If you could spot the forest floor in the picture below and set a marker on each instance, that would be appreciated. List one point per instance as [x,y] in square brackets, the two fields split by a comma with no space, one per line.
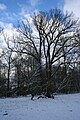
[62,107]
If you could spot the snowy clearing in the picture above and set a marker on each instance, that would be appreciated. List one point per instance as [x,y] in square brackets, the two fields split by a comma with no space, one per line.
[63,107]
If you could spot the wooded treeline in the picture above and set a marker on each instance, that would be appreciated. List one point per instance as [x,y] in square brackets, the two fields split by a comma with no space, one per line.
[43,58]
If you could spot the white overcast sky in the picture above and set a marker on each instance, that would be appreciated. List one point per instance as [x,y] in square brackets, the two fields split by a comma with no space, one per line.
[72,6]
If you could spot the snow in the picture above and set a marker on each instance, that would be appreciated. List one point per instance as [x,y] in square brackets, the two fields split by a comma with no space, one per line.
[63,107]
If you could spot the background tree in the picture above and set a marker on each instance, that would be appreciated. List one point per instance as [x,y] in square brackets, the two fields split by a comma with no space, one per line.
[48,42]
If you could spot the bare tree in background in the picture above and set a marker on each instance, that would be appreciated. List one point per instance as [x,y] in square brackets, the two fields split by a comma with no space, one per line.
[48,39]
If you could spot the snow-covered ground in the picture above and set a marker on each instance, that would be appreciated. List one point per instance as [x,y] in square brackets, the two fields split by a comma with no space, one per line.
[63,107]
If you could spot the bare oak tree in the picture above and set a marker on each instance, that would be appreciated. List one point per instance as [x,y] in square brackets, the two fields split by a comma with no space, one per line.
[49,38]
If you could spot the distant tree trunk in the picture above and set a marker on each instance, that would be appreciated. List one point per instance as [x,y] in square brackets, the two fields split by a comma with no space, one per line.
[8,83]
